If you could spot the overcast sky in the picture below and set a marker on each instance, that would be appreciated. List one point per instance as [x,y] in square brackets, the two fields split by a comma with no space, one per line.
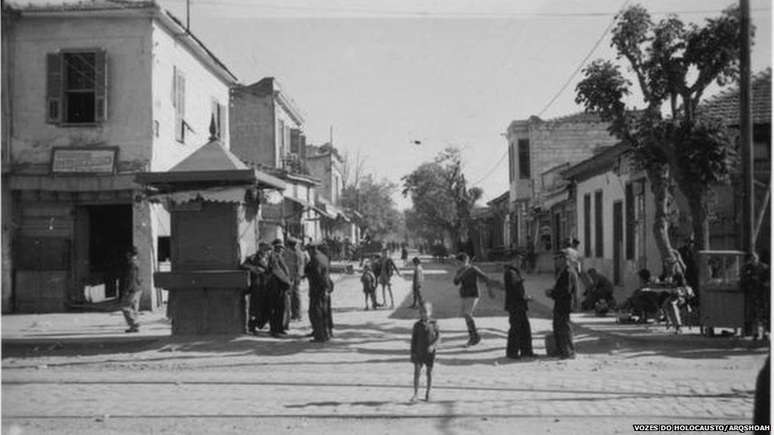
[447,73]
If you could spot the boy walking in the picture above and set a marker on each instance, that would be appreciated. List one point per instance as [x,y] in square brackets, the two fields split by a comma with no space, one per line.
[467,278]
[424,341]
[369,286]
[416,282]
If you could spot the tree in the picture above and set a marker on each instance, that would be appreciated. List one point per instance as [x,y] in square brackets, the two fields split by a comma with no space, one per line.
[440,196]
[373,200]
[353,168]
[673,64]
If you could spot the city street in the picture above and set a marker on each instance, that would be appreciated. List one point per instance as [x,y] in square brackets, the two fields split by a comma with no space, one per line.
[360,382]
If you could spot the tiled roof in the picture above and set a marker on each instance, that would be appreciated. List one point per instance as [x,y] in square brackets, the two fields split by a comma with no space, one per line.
[725,105]
[579,117]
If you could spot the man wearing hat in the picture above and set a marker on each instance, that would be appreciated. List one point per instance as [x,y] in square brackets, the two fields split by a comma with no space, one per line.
[131,291]
[295,260]
[318,274]
[278,286]
[564,289]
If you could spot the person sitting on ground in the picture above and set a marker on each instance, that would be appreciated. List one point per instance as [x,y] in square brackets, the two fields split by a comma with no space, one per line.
[368,279]
[644,302]
[599,295]
[424,341]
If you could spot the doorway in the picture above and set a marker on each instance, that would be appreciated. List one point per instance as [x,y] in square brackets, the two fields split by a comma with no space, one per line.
[109,237]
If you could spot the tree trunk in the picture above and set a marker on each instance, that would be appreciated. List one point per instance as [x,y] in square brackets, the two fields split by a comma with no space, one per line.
[699,217]
[659,182]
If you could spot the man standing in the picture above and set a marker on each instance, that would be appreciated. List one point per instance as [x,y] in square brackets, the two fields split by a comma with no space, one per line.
[566,286]
[131,291]
[258,266]
[319,282]
[385,276]
[294,258]
[519,334]
[467,278]
[278,286]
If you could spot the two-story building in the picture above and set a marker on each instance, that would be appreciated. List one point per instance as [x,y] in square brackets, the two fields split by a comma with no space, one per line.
[267,132]
[93,93]
[326,164]
[537,151]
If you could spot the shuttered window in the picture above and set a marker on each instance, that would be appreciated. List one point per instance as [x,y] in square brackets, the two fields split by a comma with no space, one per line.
[76,87]
[587,225]
[178,102]
[524,167]
[599,244]
[631,221]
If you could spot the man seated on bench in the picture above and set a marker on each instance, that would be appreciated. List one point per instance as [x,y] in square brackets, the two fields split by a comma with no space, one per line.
[645,301]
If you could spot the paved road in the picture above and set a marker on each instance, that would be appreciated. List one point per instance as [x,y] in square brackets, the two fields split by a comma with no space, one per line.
[361,380]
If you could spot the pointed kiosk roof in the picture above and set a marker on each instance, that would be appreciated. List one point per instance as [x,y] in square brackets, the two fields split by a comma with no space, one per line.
[210,166]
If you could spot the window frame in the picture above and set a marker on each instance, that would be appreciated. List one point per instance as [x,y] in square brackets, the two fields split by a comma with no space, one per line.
[57,93]
[525,167]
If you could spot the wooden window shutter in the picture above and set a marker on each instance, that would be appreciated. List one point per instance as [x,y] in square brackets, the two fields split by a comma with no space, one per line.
[100,86]
[54,88]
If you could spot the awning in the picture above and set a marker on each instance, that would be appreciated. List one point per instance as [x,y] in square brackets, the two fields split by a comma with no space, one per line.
[303,203]
[324,213]
[215,194]
[73,183]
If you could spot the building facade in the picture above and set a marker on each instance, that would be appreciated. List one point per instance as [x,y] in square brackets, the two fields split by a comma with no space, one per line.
[537,152]
[99,92]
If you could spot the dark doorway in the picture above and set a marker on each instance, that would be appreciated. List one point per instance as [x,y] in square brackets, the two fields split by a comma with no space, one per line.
[110,235]
[617,241]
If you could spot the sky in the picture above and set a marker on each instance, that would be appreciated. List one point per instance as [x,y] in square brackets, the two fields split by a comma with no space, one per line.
[382,75]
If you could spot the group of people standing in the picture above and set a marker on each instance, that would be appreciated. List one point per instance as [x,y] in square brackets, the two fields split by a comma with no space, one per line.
[379,271]
[276,273]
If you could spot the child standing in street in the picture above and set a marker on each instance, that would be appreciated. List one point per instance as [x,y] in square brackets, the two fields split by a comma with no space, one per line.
[416,283]
[369,286]
[424,341]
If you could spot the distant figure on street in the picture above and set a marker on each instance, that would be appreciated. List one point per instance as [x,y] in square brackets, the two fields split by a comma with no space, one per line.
[131,291]
[258,308]
[416,283]
[318,275]
[404,255]
[295,260]
[467,277]
[519,334]
[369,286]
[278,289]
[566,285]
[678,298]
[755,284]
[424,341]
[385,276]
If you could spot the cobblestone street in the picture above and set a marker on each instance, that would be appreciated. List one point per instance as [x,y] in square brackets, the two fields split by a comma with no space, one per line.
[360,378]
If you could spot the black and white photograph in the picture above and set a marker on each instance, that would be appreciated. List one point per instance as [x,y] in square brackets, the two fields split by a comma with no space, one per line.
[385,216]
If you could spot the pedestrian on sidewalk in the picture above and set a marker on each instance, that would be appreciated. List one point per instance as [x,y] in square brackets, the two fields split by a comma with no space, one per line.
[467,278]
[369,286]
[424,341]
[416,283]
[318,275]
[131,291]
[404,255]
[294,258]
[385,276]
[564,289]
[516,300]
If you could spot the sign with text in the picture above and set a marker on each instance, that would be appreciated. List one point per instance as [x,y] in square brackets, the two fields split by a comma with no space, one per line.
[84,160]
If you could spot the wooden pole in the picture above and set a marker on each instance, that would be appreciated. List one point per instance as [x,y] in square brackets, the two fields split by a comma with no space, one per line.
[746,131]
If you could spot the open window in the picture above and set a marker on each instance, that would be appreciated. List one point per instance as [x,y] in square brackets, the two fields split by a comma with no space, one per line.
[76,87]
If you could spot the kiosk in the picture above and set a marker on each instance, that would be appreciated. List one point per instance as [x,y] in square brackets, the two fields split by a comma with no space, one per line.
[721,299]
[213,200]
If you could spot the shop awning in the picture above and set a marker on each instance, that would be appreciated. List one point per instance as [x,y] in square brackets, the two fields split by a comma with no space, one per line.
[301,202]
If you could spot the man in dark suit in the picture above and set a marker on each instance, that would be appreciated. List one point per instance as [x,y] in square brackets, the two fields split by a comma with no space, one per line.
[519,334]
[278,286]
[564,289]
[131,291]
[318,275]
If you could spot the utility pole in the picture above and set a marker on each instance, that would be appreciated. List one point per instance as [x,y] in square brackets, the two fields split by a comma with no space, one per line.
[187,16]
[746,131]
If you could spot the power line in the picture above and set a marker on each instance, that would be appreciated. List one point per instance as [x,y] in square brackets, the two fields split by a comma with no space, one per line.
[582,63]
[491,171]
